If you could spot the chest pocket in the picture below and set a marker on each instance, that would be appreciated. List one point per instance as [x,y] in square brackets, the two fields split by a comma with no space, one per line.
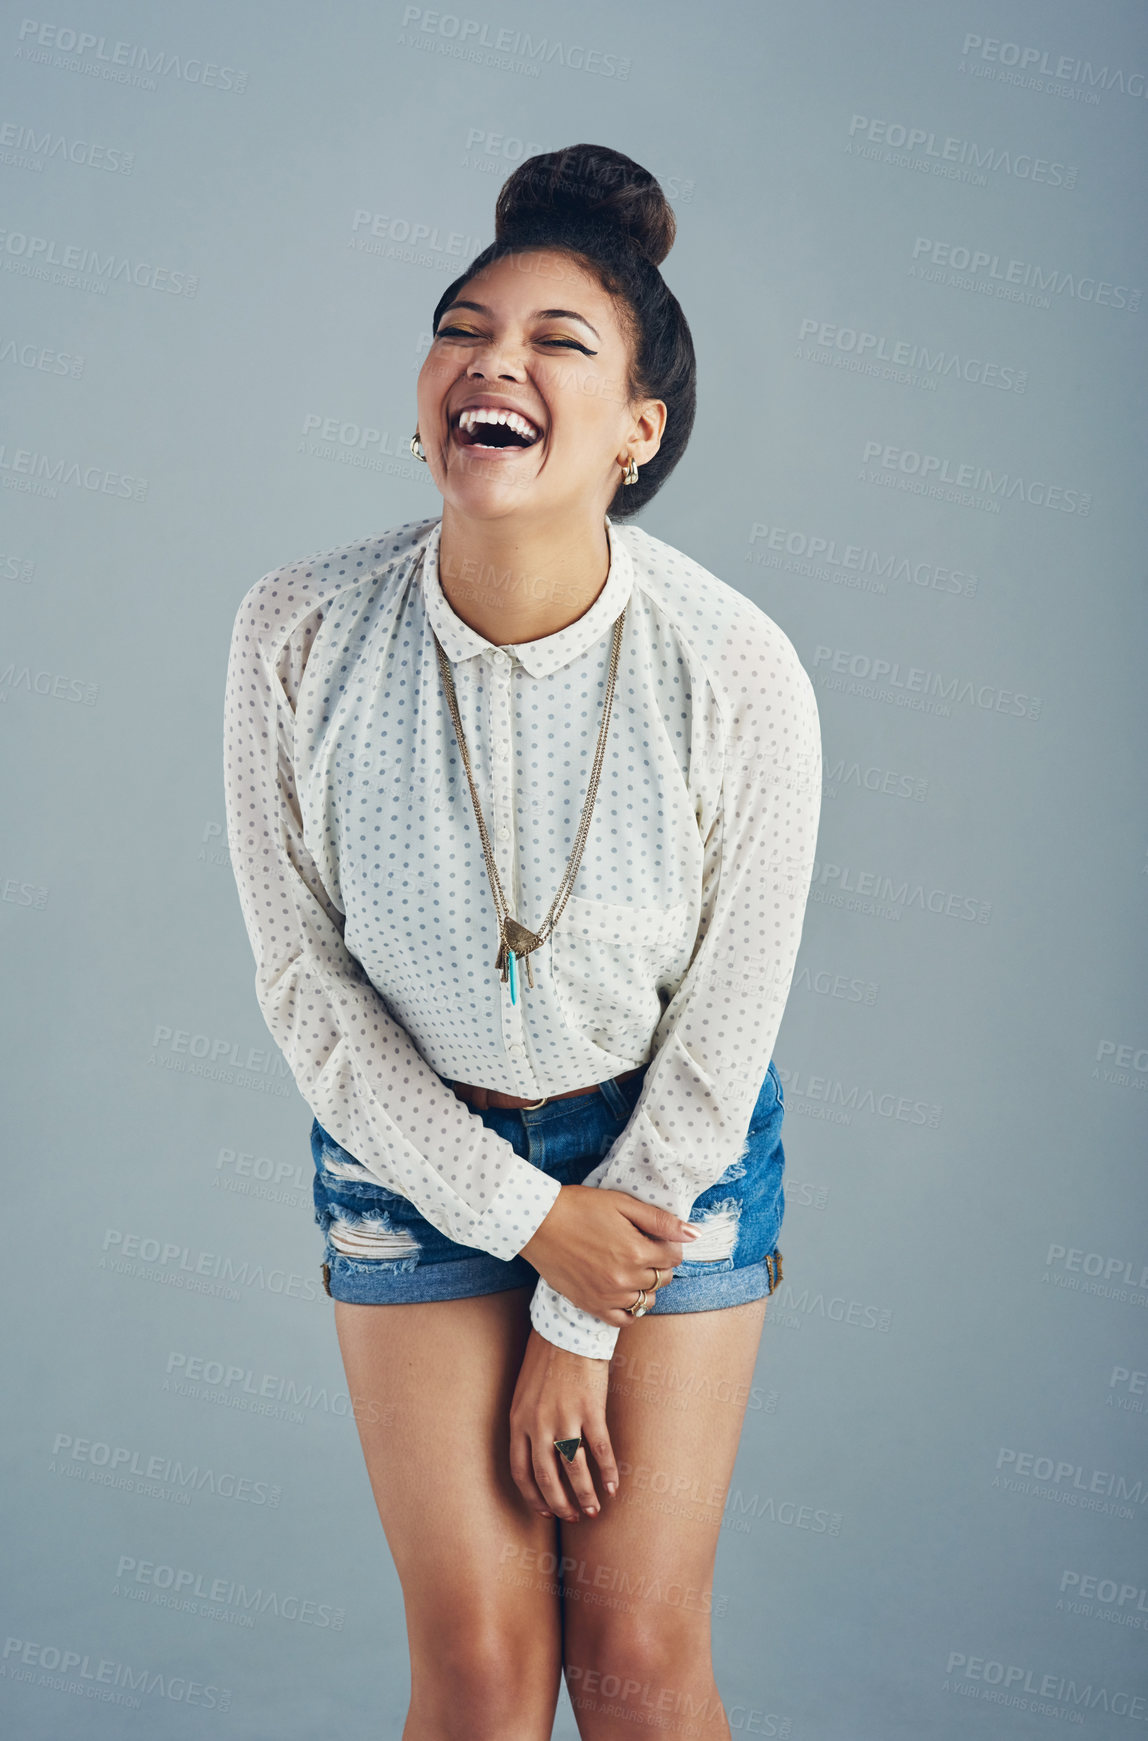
[609,961]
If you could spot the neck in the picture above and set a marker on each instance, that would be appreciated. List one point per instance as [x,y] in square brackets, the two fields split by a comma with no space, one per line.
[512,583]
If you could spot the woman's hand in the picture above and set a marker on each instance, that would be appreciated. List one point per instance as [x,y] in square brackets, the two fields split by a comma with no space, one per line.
[560,1395]
[599,1247]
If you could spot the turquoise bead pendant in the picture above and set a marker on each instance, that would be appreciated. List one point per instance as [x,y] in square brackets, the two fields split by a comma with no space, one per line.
[508,957]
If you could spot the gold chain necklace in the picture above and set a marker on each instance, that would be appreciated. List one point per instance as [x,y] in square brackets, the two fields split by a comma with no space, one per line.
[516,940]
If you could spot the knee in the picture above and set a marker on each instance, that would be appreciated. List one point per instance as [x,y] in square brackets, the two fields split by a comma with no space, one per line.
[647,1662]
[483,1682]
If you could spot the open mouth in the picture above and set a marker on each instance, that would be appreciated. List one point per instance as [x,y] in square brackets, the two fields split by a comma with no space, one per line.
[489,429]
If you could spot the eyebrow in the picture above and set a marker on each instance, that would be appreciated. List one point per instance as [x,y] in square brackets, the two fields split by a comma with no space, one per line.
[540,314]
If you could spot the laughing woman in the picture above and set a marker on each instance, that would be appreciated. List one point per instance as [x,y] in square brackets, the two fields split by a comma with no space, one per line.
[522,805]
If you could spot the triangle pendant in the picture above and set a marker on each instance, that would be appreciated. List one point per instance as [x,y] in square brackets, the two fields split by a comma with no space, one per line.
[519,938]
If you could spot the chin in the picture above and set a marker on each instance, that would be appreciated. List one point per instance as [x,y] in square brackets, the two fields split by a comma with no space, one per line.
[492,498]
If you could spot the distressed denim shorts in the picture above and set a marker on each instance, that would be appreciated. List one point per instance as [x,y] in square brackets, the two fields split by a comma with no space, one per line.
[381,1251]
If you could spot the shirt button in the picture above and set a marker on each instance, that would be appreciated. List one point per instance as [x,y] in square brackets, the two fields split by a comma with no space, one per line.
[503,831]
[517,1050]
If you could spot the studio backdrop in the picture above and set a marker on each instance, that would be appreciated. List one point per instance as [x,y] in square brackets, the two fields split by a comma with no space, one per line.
[911,250]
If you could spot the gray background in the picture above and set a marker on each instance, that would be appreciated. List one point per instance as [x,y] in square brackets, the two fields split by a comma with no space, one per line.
[205,376]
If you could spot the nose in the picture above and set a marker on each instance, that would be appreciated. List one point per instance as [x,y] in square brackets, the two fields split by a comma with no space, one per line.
[497,359]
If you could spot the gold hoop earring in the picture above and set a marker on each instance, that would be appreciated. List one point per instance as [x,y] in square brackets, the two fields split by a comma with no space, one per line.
[631,472]
[416,449]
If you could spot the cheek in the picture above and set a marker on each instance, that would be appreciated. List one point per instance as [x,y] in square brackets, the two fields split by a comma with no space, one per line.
[594,429]
[435,378]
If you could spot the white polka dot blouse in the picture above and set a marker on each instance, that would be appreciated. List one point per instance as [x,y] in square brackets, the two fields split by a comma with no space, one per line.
[365,895]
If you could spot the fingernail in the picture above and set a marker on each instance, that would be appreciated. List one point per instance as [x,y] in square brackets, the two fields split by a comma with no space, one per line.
[688,1231]
[611,1487]
[591,1511]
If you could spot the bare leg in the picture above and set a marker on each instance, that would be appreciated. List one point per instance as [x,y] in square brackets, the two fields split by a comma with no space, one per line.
[431,1387]
[639,1578]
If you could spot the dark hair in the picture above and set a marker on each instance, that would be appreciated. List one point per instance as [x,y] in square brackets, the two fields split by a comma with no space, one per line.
[611,214]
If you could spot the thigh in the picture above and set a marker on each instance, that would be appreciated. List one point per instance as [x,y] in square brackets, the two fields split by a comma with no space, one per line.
[643,1569]
[431,1386]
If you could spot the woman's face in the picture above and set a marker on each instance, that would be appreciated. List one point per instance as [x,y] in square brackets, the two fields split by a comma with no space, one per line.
[533,334]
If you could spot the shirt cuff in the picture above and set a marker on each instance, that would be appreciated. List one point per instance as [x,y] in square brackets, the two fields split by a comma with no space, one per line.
[516,1212]
[558,1320]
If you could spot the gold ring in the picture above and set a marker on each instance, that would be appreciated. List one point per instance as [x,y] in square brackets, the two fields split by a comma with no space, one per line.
[639,1307]
[657,1279]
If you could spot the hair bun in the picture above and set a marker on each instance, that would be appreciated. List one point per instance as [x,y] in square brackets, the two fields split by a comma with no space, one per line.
[587,182]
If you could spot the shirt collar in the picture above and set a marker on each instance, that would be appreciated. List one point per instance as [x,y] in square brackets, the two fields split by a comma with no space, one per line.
[551,652]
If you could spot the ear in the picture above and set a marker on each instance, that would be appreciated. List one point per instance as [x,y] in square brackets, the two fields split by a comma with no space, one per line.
[646,432]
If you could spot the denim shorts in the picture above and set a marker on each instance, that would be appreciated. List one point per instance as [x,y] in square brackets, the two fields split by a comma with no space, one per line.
[380,1251]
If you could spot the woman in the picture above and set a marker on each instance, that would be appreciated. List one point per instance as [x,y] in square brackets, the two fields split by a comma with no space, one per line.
[522,805]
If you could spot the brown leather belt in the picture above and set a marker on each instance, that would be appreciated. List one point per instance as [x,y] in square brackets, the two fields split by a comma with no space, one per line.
[481,1098]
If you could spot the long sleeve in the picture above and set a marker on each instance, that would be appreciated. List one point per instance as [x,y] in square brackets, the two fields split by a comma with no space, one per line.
[355,1066]
[716,1036]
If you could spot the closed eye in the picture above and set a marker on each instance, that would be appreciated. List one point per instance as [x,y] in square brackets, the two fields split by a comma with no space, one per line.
[462,332]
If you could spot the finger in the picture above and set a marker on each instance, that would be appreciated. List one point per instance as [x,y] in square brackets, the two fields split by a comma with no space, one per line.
[664,1253]
[522,1471]
[544,1461]
[663,1257]
[582,1482]
[597,1437]
[658,1224]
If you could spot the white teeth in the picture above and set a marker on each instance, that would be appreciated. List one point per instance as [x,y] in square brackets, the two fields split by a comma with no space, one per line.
[491,414]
